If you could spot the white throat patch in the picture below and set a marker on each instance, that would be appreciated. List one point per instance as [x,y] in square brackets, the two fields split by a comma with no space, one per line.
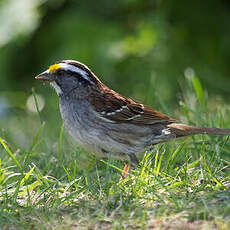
[56,87]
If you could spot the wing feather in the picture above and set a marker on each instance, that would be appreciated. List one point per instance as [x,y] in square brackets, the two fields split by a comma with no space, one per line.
[115,107]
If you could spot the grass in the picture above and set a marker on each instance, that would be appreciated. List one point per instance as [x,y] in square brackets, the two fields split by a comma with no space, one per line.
[184,184]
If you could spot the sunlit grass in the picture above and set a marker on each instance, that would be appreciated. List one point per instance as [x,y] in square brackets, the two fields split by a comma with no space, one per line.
[182,184]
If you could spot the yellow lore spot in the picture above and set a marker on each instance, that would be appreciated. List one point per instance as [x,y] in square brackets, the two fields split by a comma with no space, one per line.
[54,67]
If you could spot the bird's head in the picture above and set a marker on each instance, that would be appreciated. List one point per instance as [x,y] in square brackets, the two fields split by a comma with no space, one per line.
[67,75]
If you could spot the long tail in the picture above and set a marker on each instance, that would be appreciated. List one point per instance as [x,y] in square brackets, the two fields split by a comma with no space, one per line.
[182,130]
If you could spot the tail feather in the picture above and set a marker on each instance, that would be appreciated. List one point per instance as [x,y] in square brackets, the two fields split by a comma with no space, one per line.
[182,130]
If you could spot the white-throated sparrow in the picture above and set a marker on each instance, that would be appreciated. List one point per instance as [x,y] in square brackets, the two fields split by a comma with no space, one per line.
[103,122]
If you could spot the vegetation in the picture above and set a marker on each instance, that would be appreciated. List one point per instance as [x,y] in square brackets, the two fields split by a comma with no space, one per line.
[173,57]
[182,184]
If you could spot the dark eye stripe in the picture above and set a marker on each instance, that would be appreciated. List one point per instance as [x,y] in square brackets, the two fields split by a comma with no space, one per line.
[81,79]
[78,70]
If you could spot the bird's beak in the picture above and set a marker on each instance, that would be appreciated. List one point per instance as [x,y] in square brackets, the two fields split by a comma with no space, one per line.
[45,76]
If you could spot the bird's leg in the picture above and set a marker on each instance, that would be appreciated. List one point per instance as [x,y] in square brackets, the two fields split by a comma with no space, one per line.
[134,162]
[125,171]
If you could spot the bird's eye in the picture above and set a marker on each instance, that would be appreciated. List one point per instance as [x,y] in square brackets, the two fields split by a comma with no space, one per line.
[60,72]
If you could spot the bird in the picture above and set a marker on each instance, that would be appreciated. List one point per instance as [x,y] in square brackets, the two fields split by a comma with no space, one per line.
[106,123]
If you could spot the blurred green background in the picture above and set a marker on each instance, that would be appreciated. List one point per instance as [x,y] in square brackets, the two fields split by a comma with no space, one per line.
[144,49]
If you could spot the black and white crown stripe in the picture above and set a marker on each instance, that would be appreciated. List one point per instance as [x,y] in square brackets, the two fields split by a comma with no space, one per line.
[75,69]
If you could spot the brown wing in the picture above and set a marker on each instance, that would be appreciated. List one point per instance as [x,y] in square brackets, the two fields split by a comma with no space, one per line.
[115,107]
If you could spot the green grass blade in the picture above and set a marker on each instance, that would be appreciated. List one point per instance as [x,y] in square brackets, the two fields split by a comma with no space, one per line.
[198,89]
[36,139]
[36,104]
[26,177]
[60,142]
[159,164]
[3,142]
